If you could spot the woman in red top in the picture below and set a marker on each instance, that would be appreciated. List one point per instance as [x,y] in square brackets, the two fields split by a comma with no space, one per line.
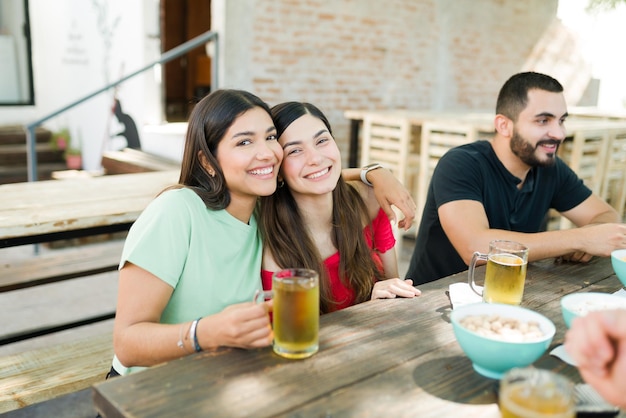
[316,220]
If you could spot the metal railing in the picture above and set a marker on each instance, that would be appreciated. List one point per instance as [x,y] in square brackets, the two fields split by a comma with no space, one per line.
[31,153]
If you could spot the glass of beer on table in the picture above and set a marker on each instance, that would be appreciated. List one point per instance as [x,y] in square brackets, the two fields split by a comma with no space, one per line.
[296,312]
[535,393]
[505,273]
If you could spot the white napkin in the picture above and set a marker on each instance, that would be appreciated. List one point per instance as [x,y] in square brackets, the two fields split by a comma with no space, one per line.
[462,294]
[559,352]
[621,292]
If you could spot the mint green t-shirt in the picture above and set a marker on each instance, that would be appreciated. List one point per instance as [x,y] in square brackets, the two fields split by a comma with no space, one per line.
[210,258]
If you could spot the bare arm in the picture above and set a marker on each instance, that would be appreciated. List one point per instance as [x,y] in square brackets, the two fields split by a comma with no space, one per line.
[466,225]
[592,210]
[390,263]
[388,192]
[140,340]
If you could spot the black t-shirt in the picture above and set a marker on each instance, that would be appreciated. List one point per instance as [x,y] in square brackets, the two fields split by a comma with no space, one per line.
[474,172]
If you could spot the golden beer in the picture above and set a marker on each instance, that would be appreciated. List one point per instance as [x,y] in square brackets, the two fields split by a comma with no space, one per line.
[518,400]
[505,273]
[504,279]
[296,316]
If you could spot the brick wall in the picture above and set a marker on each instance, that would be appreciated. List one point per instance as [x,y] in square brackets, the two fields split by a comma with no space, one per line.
[342,54]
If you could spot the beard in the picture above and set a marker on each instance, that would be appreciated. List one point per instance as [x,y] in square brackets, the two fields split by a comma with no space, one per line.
[527,152]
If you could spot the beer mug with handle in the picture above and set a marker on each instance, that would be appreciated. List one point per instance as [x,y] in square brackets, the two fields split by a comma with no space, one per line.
[296,312]
[505,274]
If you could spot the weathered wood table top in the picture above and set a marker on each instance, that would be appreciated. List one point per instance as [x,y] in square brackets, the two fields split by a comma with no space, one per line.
[395,358]
[52,209]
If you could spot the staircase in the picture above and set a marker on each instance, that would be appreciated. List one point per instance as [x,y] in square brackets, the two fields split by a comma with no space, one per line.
[13,160]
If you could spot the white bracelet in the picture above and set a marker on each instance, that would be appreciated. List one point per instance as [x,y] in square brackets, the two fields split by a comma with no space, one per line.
[193,337]
[366,170]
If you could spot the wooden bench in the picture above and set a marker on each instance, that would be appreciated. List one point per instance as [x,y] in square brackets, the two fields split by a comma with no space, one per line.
[61,264]
[52,295]
[47,373]
[60,305]
[58,290]
[131,160]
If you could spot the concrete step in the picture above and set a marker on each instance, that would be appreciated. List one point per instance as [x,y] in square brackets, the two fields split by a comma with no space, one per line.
[13,155]
[19,173]
[15,134]
[16,154]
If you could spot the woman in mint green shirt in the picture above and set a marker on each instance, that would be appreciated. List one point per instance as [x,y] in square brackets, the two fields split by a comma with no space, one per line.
[191,262]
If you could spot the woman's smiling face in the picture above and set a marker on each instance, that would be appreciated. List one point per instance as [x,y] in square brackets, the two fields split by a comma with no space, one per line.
[250,156]
[312,161]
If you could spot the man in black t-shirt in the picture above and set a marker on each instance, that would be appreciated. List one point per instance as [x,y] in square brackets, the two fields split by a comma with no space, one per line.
[503,189]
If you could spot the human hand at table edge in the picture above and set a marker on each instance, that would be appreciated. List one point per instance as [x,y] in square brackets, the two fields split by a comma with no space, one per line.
[242,325]
[391,288]
[596,240]
[597,343]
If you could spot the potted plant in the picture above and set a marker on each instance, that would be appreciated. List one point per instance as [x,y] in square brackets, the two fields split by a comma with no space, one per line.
[73,153]
[60,139]
[73,159]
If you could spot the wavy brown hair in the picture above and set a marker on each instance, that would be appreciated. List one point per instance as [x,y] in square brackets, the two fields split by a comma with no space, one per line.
[287,238]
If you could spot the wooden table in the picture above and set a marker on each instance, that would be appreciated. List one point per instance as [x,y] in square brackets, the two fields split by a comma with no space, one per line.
[57,209]
[396,358]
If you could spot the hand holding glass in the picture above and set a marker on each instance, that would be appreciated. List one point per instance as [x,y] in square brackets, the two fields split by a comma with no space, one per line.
[505,274]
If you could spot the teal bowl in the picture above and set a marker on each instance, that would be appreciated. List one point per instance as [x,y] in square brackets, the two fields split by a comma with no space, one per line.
[580,304]
[619,264]
[492,356]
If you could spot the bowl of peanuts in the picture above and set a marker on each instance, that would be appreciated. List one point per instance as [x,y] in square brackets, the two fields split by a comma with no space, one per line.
[618,261]
[498,337]
[580,304]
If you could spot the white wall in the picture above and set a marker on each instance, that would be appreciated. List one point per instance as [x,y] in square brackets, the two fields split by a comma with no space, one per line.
[601,38]
[78,46]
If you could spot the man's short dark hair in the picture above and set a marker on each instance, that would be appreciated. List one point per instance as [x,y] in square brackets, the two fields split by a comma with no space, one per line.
[513,96]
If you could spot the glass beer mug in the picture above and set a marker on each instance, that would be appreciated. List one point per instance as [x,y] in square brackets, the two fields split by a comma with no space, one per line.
[296,312]
[505,273]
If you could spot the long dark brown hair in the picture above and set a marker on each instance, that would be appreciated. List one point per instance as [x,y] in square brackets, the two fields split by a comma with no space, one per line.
[208,123]
[287,238]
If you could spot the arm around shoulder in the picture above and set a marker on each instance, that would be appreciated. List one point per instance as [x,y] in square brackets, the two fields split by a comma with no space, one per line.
[388,191]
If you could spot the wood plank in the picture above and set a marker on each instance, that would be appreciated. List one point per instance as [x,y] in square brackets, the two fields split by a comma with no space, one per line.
[52,206]
[60,265]
[130,160]
[35,309]
[38,375]
[433,374]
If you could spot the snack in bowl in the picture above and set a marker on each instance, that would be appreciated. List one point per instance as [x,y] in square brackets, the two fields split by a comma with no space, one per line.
[498,337]
[618,261]
[580,304]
